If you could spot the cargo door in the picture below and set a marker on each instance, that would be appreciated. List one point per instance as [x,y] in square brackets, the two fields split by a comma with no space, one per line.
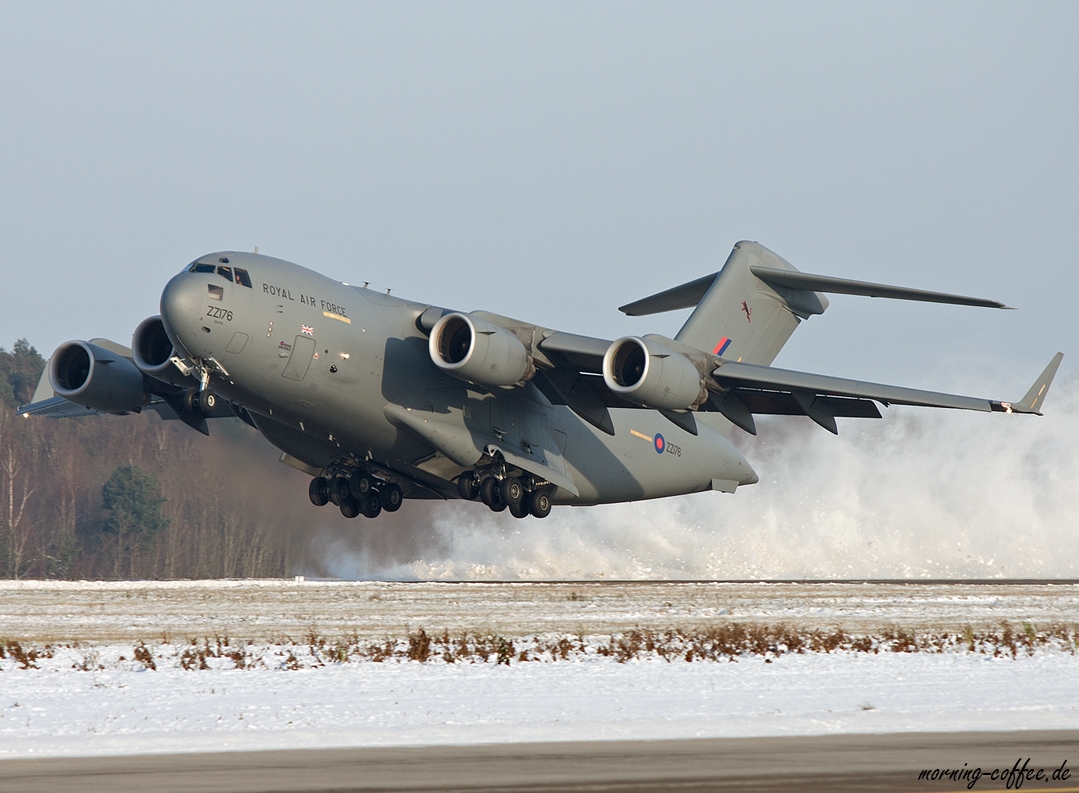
[303,350]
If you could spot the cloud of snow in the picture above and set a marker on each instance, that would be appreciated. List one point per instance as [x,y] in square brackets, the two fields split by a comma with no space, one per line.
[919,494]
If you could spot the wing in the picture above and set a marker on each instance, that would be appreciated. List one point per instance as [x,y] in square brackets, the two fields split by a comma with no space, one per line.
[745,389]
[166,399]
[568,368]
[740,390]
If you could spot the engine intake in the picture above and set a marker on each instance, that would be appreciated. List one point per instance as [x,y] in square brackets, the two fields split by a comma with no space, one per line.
[479,352]
[96,378]
[651,375]
[151,349]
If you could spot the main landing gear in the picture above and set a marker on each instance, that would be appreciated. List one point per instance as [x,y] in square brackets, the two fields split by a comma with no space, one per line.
[355,493]
[520,495]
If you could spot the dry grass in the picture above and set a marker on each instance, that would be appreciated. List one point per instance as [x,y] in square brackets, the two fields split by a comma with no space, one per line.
[729,641]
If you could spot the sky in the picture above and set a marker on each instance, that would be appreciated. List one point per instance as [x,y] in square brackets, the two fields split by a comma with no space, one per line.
[552,161]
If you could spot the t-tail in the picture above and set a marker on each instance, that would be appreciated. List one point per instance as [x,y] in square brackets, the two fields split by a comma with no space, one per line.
[748,310]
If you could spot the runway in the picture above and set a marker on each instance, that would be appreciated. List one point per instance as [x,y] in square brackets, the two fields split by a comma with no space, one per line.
[891,762]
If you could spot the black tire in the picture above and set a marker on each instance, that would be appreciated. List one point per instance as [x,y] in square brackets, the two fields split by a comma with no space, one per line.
[351,508]
[467,487]
[391,497]
[193,402]
[519,510]
[370,505]
[540,504]
[319,491]
[489,493]
[208,401]
[339,494]
[359,485]
[513,491]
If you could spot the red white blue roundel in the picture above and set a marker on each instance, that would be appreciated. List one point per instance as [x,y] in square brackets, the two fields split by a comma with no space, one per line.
[659,443]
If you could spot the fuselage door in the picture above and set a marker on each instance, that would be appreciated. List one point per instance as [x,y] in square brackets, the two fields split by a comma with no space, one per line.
[303,350]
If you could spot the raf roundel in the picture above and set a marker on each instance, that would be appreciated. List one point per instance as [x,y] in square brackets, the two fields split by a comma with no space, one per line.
[659,443]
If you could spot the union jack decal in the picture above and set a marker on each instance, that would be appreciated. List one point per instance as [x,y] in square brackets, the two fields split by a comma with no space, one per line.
[307,329]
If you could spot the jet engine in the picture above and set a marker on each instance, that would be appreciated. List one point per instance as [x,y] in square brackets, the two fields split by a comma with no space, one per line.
[649,374]
[152,352]
[96,378]
[479,352]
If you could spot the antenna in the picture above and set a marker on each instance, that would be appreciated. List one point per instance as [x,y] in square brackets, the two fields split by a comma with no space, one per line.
[256,249]
[365,283]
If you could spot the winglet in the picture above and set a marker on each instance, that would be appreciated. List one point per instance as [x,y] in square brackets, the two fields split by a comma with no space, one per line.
[1036,395]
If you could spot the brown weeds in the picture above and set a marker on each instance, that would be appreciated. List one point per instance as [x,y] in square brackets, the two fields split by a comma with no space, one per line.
[722,641]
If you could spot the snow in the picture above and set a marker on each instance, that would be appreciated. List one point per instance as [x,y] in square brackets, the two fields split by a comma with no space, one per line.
[89,695]
[130,709]
[267,610]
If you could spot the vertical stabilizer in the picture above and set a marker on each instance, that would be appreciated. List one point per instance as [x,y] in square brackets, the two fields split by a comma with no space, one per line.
[742,318]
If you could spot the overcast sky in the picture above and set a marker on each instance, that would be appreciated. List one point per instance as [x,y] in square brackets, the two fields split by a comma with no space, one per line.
[554,161]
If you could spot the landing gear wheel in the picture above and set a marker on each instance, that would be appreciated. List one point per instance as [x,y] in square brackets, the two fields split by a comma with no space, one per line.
[519,510]
[390,496]
[370,505]
[359,485]
[490,494]
[540,504]
[467,486]
[351,508]
[513,492]
[319,491]
[339,494]
[195,402]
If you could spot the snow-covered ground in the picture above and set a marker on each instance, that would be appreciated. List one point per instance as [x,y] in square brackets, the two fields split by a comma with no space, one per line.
[267,610]
[92,691]
[128,708]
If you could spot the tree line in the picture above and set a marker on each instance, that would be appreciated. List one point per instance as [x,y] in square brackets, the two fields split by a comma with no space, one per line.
[138,497]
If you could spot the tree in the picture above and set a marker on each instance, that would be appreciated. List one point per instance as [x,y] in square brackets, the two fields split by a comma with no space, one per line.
[133,498]
[15,492]
[22,368]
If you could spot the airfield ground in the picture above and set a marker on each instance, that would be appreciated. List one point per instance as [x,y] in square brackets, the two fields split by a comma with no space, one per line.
[99,669]
[276,610]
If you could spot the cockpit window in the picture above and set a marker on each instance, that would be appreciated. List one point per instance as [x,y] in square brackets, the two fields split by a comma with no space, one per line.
[199,267]
[225,272]
[242,277]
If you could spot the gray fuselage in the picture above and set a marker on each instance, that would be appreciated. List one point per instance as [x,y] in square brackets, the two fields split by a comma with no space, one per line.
[328,371]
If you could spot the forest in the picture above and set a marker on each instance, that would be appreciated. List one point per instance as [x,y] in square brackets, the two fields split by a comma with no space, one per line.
[137,497]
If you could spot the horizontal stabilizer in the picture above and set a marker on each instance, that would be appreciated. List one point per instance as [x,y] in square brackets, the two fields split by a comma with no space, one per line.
[807,282]
[689,294]
[685,296]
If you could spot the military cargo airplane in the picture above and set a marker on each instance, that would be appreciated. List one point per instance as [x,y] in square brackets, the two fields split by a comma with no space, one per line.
[381,399]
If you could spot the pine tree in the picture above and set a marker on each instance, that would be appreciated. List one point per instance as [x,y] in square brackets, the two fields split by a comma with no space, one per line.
[135,502]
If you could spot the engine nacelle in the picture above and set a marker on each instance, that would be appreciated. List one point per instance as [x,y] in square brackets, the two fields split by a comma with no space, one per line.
[151,349]
[152,352]
[649,374]
[479,352]
[96,378]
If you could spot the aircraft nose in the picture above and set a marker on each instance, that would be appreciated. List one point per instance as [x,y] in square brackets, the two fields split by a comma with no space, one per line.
[181,304]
